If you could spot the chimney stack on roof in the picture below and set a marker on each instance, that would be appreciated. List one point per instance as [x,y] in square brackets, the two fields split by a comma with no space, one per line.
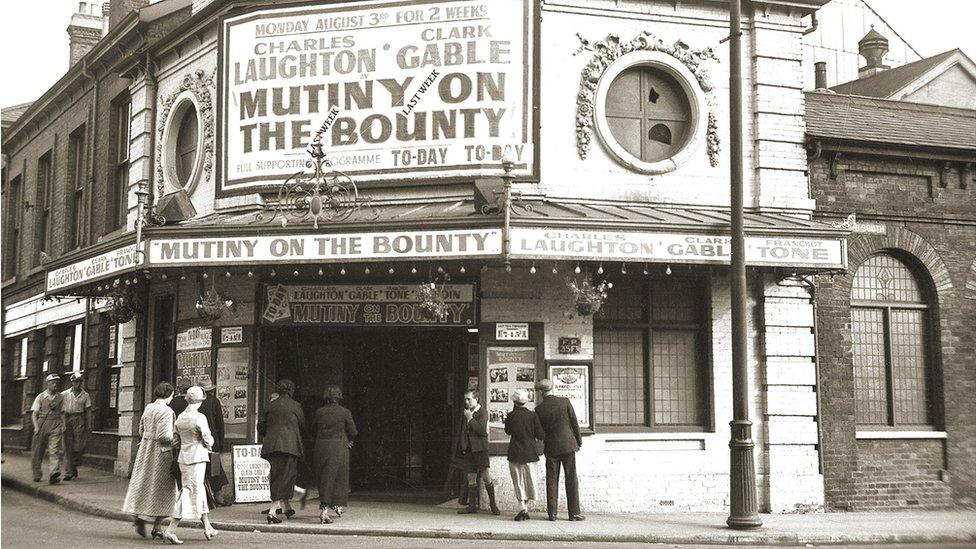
[84,31]
[872,48]
[122,8]
[820,75]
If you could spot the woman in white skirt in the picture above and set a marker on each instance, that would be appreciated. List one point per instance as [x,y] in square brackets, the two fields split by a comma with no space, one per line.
[195,445]
[152,488]
[523,453]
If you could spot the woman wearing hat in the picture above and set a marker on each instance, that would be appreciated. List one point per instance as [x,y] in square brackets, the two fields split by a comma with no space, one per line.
[334,435]
[281,428]
[524,427]
[152,488]
[196,441]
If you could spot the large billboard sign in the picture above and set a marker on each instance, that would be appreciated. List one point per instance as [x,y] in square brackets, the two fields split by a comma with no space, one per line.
[394,90]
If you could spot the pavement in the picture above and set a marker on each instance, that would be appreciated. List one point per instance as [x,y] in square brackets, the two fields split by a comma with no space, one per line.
[100,493]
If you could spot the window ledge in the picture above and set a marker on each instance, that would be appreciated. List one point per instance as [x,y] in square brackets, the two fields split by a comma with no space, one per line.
[14,427]
[9,282]
[35,270]
[874,435]
[114,433]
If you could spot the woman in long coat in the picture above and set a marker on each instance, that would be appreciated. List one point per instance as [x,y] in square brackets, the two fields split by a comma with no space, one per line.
[334,435]
[281,428]
[152,489]
[196,441]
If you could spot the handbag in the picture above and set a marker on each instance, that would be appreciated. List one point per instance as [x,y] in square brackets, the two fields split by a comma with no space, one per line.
[174,469]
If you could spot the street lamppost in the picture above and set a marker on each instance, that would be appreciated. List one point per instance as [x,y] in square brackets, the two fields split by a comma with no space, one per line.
[742,471]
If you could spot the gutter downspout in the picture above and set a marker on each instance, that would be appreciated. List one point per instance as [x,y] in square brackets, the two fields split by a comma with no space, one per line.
[812,284]
[90,175]
[144,192]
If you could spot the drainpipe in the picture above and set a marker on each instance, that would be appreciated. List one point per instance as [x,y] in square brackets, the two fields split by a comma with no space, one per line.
[812,284]
[144,192]
[93,125]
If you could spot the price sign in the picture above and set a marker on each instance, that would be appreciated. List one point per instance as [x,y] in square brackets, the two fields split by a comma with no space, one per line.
[512,331]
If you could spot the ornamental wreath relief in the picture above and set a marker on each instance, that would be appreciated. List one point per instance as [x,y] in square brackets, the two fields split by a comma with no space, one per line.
[610,49]
[200,84]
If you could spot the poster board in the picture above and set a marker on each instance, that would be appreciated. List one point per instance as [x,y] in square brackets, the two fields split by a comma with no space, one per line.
[509,368]
[251,482]
[194,357]
[573,379]
[233,387]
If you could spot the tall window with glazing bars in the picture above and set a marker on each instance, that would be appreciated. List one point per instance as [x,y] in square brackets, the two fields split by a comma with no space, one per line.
[12,218]
[42,205]
[75,197]
[891,333]
[119,187]
[650,359]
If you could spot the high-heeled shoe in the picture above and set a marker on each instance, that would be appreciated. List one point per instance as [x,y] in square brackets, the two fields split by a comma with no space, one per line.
[272,519]
[210,534]
[157,533]
[172,539]
[324,517]
[140,526]
[338,510]
[289,513]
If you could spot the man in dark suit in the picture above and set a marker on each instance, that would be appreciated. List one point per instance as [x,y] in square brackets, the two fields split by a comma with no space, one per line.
[561,444]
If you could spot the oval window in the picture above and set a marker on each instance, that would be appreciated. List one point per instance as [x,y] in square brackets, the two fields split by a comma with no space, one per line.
[187,141]
[648,113]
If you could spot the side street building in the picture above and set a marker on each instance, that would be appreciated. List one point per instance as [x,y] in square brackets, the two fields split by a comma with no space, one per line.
[893,158]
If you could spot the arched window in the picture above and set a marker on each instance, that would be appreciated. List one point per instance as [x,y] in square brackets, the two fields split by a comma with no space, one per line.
[890,331]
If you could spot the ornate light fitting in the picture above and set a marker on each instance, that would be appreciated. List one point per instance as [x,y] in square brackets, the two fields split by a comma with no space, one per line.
[325,194]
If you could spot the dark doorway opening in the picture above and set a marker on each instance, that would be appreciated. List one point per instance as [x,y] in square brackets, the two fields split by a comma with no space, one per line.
[402,387]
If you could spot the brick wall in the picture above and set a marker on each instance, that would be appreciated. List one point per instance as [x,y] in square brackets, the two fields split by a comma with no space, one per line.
[900,474]
[927,215]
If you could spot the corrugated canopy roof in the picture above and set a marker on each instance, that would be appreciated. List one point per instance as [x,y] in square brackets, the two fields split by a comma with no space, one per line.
[460,212]
[867,119]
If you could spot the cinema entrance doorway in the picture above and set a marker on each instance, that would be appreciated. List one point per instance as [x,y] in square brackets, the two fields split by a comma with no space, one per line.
[403,385]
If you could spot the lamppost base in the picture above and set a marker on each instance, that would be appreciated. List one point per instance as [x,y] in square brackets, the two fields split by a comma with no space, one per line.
[744,523]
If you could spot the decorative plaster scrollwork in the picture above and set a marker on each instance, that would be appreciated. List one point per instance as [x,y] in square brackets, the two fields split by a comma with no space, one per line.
[201,85]
[609,50]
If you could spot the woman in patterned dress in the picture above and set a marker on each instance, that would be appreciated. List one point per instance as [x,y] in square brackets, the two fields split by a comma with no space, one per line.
[196,442]
[152,489]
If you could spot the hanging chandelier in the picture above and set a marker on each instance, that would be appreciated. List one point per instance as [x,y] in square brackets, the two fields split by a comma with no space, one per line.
[322,194]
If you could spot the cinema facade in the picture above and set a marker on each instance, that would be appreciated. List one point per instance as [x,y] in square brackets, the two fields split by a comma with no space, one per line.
[302,173]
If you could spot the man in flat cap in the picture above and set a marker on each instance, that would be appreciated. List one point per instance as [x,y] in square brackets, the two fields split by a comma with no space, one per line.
[77,424]
[561,444]
[48,420]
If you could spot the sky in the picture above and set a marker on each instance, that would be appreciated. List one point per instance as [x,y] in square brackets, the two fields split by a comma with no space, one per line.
[34,43]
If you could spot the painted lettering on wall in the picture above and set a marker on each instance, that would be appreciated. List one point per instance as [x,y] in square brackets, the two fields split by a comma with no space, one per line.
[311,247]
[363,305]
[677,248]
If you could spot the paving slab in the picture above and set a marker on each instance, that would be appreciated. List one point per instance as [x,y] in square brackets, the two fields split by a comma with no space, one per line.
[100,493]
